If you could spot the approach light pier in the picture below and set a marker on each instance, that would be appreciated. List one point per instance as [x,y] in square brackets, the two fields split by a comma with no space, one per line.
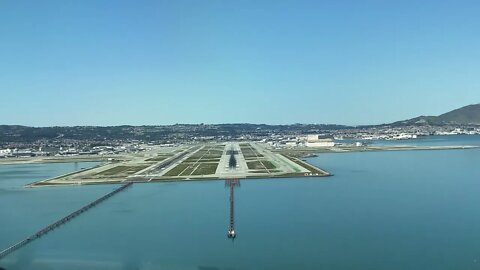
[61,221]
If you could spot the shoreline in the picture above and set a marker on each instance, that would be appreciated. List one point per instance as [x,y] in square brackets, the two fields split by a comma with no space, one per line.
[295,156]
[306,151]
[44,160]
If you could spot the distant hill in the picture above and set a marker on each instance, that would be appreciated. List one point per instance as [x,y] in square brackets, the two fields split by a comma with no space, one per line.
[468,115]
[164,134]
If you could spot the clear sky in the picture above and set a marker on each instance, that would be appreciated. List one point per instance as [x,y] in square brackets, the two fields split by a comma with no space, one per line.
[217,61]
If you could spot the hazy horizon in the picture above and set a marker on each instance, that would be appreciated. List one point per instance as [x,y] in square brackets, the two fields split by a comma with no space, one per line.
[109,63]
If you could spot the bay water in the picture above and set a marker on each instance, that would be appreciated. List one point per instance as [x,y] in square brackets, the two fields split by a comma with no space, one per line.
[380,210]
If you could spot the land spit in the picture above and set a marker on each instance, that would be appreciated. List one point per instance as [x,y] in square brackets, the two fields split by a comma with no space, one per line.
[191,162]
[207,161]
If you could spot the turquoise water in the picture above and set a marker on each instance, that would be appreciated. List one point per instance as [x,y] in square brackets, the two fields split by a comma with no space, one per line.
[380,210]
[25,210]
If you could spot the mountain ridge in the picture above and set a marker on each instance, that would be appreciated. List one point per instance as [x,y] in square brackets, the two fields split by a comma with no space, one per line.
[466,115]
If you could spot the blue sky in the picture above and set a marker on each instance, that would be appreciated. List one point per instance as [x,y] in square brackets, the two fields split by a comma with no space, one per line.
[215,61]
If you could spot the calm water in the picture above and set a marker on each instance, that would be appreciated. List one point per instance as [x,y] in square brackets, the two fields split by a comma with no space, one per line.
[434,141]
[381,210]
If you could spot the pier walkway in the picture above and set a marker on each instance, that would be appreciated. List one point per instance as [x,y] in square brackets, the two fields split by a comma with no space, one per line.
[61,221]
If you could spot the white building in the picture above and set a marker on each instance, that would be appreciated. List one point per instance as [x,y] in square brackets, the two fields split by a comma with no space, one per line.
[291,143]
[321,143]
[313,140]
[313,137]
[5,152]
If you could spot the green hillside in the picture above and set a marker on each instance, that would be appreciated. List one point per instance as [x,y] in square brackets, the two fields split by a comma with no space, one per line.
[468,115]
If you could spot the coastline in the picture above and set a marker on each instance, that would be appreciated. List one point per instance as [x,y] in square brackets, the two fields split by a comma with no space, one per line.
[297,152]
[307,152]
[90,176]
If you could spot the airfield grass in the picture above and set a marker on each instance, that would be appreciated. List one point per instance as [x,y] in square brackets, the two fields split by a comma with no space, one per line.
[210,160]
[122,170]
[188,170]
[205,169]
[254,165]
[177,169]
[260,164]
[249,152]
[307,166]
[201,158]
[209,153]
[269,165]
[158,158]
[191,168]
[260,171]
